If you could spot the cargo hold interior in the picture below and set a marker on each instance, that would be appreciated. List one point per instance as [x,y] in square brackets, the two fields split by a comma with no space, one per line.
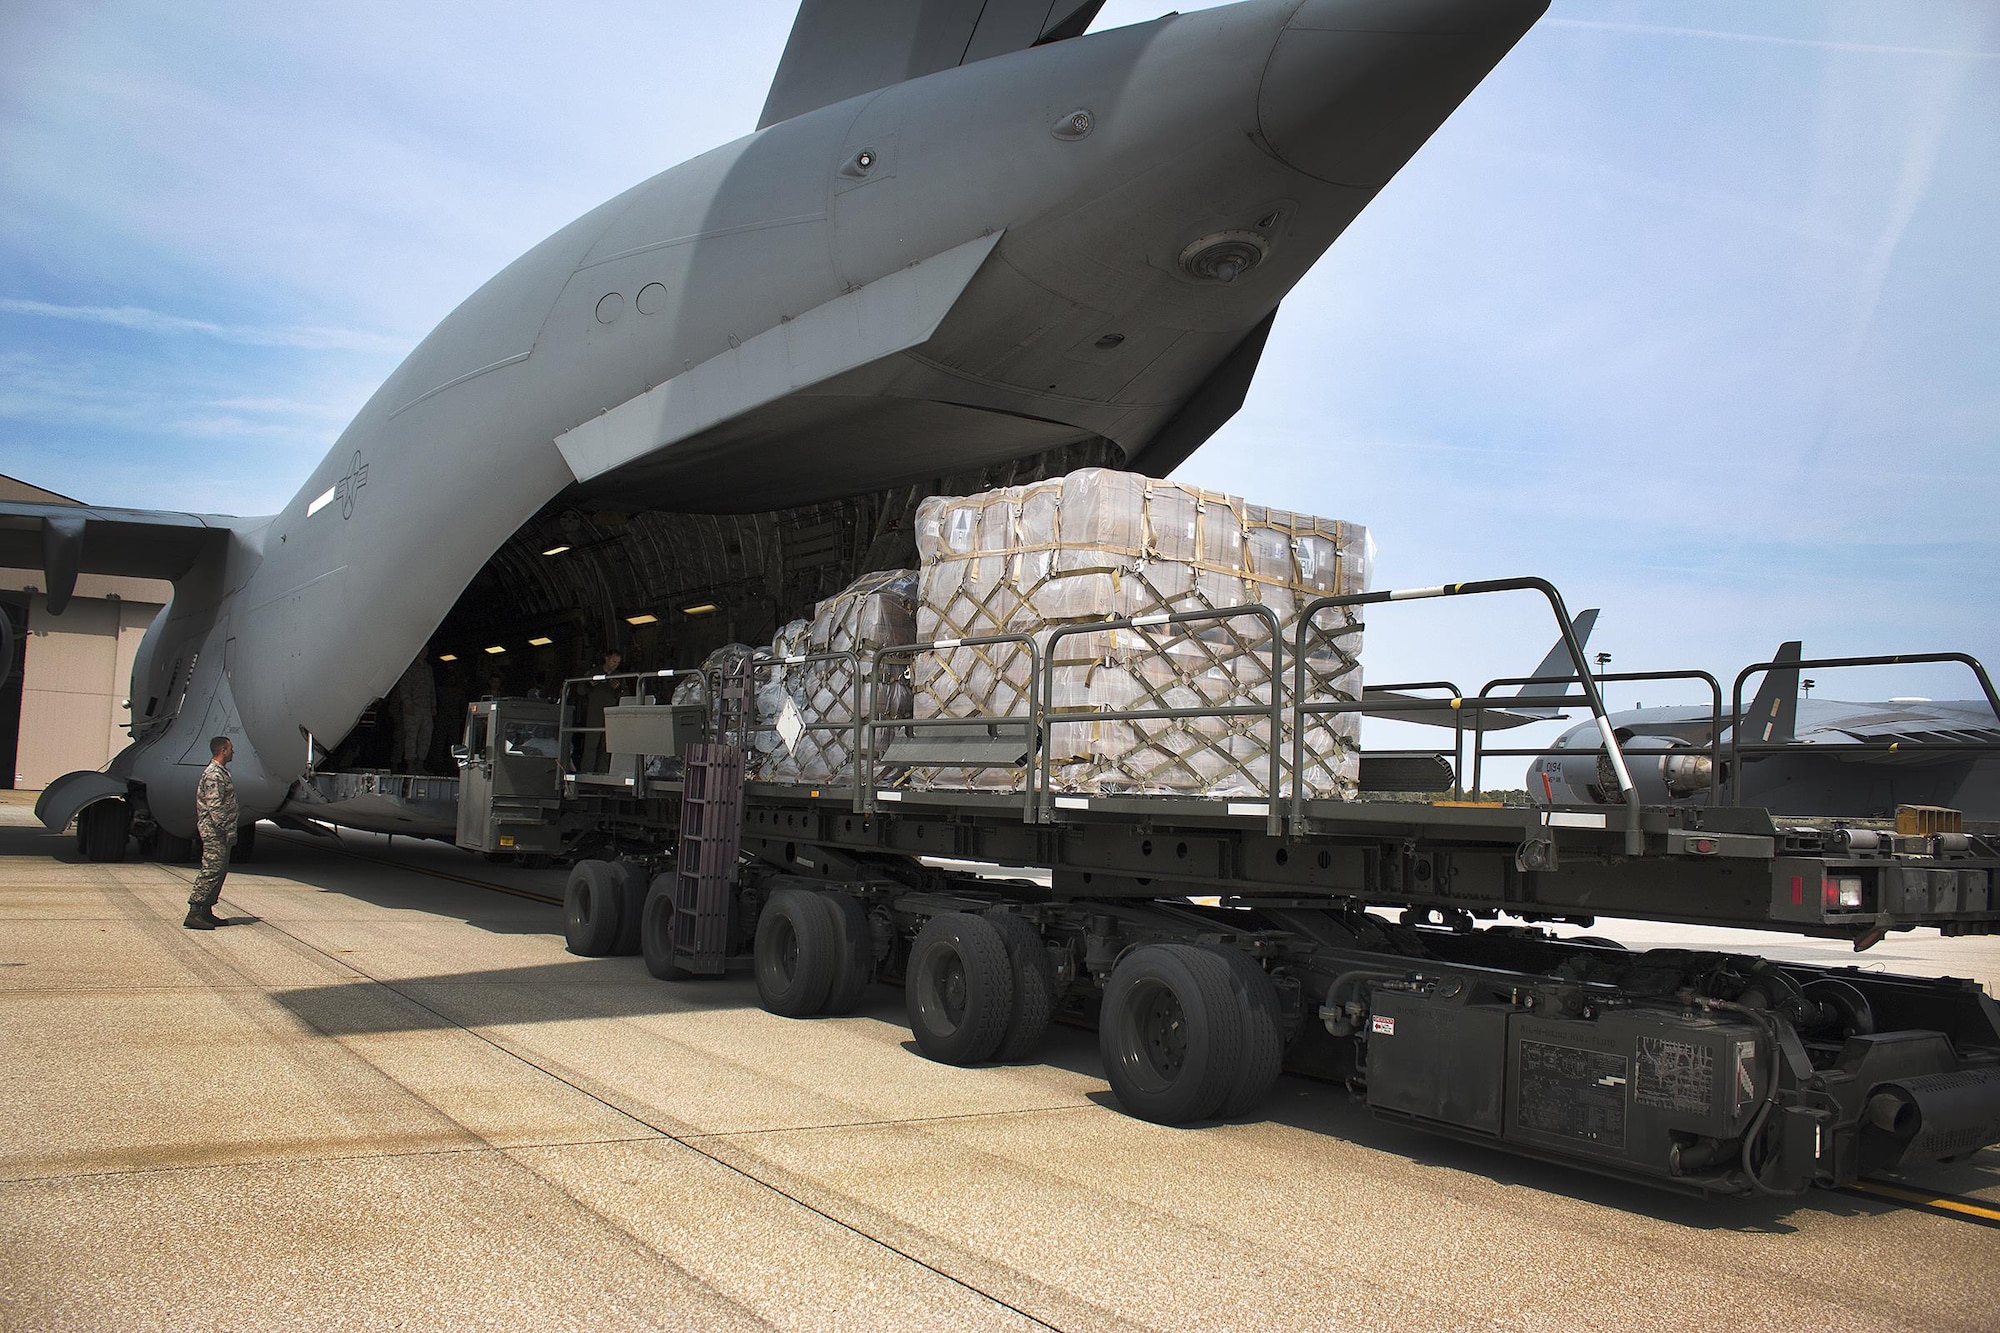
[663,587]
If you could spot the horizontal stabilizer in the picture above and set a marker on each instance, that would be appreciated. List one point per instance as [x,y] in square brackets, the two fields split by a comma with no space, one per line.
[65,540]
[1521,708]
[890,315]
[843,48]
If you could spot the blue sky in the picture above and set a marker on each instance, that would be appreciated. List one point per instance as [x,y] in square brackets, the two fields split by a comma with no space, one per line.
[1694,308]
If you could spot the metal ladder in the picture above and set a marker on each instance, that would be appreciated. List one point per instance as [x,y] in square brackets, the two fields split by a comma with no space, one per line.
[711,833]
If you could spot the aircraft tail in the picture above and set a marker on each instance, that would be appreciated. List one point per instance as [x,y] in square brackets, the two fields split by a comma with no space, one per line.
[841,49]
[1557,670]
[1773,716]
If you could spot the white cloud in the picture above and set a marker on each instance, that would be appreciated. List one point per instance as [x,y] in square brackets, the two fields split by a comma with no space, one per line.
[154,321]
[1814,43]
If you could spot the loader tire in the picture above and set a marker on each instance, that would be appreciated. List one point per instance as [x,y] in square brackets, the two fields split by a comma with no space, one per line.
[656,929]
[1034,987]
[796,952]
[1170,1034]
[1263,1034]
[593,909]
[632,907]
[959,988]
[854,964]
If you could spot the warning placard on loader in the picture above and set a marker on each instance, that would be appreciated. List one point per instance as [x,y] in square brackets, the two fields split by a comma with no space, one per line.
[1573,1093]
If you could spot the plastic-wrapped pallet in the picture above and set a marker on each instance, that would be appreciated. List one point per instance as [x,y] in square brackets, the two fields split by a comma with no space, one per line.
[726,661]
[1097,545]
[874,611]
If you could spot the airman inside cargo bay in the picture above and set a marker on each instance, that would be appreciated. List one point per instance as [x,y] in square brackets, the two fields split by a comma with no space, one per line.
[602,695]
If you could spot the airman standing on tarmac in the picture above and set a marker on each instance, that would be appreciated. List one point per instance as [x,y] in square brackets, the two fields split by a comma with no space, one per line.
[215,818]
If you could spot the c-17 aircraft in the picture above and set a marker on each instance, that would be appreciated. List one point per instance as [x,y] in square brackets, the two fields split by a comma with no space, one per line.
[1820,771]
[969,243]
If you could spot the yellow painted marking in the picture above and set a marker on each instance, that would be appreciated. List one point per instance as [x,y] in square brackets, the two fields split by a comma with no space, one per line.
[1966,1207]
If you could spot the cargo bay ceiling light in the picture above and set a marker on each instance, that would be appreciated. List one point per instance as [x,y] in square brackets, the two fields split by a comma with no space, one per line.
[555,550]
[540,641]
[447,657]
[699,609]
[643,618]
[497,648]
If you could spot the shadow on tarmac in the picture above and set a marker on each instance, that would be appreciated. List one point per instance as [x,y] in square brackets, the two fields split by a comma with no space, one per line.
[421,878]
[621,988]
[34,840]
[615,988]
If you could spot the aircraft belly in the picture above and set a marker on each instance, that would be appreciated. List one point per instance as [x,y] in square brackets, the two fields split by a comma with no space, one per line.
[810,447]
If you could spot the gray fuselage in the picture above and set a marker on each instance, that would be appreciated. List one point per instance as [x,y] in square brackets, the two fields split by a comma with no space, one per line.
[1087,188]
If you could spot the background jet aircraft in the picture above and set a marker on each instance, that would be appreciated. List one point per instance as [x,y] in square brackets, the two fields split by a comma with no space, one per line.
[969,244]
[1535,701]
[1813,777]
[1384,770]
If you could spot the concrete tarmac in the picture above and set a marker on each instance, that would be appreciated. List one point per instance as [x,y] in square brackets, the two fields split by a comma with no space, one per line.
[390,1099]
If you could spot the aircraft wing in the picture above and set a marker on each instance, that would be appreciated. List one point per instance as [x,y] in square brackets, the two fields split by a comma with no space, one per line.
[65,540]
[1400,707]
[843,48]
[1911,728]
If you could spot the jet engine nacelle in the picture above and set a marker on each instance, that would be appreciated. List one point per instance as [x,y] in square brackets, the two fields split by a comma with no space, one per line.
[1664,769]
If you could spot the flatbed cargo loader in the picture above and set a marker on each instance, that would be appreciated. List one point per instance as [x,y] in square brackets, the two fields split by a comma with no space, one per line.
[1214,943]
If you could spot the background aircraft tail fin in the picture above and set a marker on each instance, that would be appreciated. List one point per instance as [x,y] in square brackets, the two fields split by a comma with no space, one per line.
[1773,716]
[1557,670]
[843,48]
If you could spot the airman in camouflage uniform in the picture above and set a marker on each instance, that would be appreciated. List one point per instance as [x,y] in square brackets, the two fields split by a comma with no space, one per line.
[215,818]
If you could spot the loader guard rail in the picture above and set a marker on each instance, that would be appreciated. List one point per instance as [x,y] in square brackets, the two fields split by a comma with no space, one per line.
[1285,808]
[1635,837]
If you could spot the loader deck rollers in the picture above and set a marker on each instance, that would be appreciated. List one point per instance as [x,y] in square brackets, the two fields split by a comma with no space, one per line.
[1214,943]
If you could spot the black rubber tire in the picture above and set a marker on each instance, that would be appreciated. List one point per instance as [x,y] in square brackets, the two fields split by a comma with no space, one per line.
[1263,1034]
[795,954]
[102,828]
[172,849]
[656,929]
[1169,1033]
[959,988]
[593,909]
[1034,987]
[632,892]
[246,845]
[854,962]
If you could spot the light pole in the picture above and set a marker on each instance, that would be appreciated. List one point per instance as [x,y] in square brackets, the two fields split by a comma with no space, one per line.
[1603,661]
[1807,687]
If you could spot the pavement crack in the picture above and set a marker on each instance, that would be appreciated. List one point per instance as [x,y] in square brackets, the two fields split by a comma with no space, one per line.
[290,1159]
[892,1122]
